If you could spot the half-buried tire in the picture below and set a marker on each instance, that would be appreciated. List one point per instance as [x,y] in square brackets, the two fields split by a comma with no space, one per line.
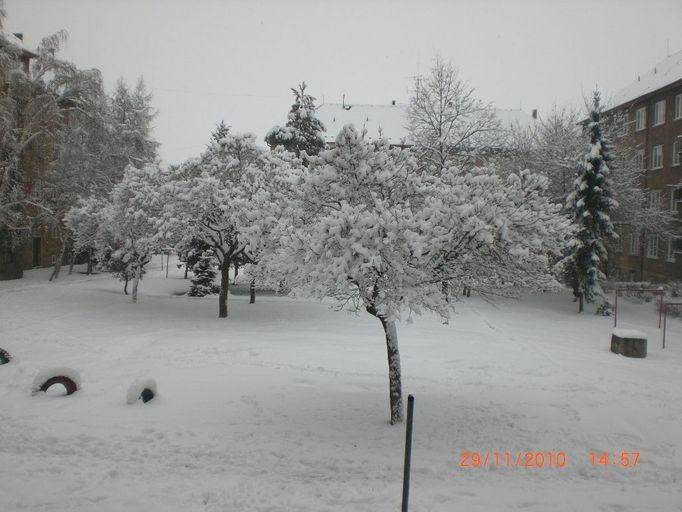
[143,390]
[4,356]
[67,377]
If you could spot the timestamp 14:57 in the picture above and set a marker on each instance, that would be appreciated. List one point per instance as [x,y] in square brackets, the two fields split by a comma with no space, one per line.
[622,459]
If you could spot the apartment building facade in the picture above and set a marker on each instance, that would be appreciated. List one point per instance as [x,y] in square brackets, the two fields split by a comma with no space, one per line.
[649,112]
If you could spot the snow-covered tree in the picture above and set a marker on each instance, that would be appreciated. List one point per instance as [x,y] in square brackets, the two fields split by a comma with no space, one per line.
[591,202]
[553,147]
[368,228]
[223,199]
[303,131]
[132,116]
[447,124]
[204,274]
[221,131]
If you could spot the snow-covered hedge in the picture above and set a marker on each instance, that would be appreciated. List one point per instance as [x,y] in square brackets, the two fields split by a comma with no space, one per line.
[68,377]
[144,389]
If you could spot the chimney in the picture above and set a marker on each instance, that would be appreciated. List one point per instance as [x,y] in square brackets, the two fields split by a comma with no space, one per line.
[535,113]
[19,35]
[393,102]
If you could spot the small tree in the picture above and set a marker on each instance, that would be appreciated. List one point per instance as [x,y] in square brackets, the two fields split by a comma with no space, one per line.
[591,201]
[303,131]
[203,280]
[447,124]
[369,229]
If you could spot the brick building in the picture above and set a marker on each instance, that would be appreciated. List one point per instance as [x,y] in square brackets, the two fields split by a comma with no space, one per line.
[42,244]
[649,112]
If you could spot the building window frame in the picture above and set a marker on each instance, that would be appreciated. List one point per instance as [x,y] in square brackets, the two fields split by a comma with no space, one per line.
[677,149]
[657,157]
[652,246]
[640,119]
[658,117]
[671,250]
[678,107]
[619,243]
[639,160]
[634,244]
[655,199]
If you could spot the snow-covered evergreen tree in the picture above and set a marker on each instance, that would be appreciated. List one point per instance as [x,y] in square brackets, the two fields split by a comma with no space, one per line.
[204,274]
[221,131]
[303,131]
[591,202]
[368,228]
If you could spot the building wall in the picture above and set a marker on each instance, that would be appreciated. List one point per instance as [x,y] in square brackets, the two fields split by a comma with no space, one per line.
[657,266]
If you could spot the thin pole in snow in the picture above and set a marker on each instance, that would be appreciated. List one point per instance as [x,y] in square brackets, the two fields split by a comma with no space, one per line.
[665,317]
[615,309]
[408,452]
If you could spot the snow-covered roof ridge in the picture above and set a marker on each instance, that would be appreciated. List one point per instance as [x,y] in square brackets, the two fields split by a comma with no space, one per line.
[666,72]
[391,119]
[17,43]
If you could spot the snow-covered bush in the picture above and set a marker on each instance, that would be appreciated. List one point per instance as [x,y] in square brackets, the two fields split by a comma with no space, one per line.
[5,356]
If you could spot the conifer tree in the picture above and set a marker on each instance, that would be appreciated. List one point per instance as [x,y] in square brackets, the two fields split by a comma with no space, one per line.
[203,280]
[591,201]
[303,131]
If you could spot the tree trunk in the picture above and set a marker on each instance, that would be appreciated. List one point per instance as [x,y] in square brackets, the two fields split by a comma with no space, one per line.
[186,270]
[89,269]
[136,281]
[395,389]
[224,285]
[72,260]
[125,287]
[580,303]
[252,291]
[58,263]
[167,262]
[236,273]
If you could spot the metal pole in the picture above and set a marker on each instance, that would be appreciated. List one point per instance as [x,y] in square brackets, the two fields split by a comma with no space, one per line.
[615,310]
[665,317]
[408,452]
[660,307]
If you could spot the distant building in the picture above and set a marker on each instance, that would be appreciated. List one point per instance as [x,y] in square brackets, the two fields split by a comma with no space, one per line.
[650,113]
[42,246]
[390,121]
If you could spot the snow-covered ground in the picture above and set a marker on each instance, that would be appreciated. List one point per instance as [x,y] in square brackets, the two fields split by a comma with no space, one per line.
[284,405]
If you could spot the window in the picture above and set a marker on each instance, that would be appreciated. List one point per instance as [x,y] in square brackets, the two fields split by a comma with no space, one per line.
[675,198]
[671,249]
[677,149]
[619,243]
[640,119]
[652,246]
[655,199]
[54,259]
[54,231]
[678,106]
[657,157]
[639,159]
[634,244]
[659,113]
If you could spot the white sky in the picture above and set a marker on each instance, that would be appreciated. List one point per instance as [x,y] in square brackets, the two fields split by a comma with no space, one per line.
[207,60]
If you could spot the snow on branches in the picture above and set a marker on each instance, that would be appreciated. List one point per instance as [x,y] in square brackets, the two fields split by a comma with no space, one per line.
[591,201]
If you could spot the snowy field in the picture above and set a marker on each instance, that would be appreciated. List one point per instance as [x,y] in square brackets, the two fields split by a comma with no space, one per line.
[284,405]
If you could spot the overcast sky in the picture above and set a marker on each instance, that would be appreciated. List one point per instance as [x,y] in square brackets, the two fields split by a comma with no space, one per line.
[207,60]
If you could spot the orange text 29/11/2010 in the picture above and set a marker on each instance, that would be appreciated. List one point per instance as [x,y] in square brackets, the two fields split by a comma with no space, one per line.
[540,459]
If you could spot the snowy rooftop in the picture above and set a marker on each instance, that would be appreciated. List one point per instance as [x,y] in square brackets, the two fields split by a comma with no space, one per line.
[664,73]
[16,42]
[389,120]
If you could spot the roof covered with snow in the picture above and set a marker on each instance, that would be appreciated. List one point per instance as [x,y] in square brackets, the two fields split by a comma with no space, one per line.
[17,43]
[664,73]
[390,120]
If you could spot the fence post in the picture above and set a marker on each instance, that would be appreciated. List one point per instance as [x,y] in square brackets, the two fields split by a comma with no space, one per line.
[408,452]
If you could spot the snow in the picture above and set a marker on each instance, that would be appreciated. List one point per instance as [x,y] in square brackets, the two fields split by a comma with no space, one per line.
[666,72]
[56,371]
[390,121]
[629,333]
[283,406]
